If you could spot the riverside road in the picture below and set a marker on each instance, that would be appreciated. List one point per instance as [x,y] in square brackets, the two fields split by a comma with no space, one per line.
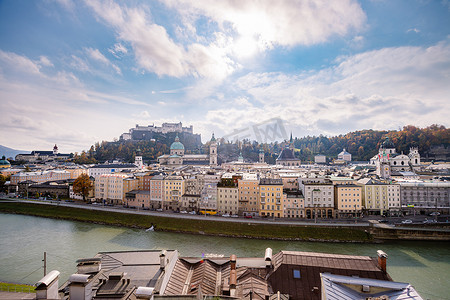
[364,222]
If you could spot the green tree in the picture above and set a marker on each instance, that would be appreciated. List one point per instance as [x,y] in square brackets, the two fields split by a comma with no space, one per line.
[82,186]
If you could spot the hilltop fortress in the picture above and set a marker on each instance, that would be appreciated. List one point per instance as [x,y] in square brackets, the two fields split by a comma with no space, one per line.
[140,133]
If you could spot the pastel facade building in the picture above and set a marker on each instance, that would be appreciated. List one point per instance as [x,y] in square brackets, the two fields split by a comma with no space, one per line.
[248,196]
[425,197]
[271,198]
[294,204]
[40,176]
[227,198]
[111,188]
[319,197]
[174,189]
[348,200]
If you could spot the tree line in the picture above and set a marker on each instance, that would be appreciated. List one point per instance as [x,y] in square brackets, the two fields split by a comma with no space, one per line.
[362,144]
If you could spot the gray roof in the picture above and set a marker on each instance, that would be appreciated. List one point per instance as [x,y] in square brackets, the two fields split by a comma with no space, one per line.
[114,166]
[340,287]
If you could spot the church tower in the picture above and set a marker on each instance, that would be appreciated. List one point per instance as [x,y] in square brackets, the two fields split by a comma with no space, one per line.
[261,155]
[383,166]
[138,159]
[213,152]
[55,150]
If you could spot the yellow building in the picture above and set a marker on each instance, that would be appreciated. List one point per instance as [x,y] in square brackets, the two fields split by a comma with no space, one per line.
[76,172]
[174,189]
[248,196]
[379,197]
[271,198]
[348,200]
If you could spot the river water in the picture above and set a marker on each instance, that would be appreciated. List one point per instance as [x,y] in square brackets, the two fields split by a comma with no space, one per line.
[23,240]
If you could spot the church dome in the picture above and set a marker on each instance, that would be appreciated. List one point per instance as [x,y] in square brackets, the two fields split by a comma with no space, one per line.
[4,163]
[177,145]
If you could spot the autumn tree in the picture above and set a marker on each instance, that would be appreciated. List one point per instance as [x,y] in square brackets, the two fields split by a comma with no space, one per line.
[82,186]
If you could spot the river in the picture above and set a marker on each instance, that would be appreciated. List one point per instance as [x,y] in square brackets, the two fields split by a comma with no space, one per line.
[23,240]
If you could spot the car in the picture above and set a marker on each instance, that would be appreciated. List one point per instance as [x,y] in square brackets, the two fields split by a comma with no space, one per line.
[248,216]
[192,213]
[183,212]
[226,215]
[429,221]
[435,213]
[234,216]
[159,209]
[383,221]
[407,222]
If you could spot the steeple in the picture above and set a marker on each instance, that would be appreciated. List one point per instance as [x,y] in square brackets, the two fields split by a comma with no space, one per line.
[213,152]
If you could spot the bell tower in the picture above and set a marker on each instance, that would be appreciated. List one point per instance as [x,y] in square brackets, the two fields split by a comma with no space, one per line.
[213,152]
[261,155]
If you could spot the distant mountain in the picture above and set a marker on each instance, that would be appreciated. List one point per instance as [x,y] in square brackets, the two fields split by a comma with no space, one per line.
[10,153]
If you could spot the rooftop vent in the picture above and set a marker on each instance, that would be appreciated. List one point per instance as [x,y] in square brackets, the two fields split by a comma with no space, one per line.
[144,292]
[89,265]
[115,276]
[268,257]
[366,288]
[47,287]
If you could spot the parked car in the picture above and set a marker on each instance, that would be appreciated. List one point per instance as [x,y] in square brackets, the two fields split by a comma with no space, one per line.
[183,212]
[226,215]
[407,222]
[383,221]
[234,216]
[192,213]
[248,216]
[159,209]
[435,213]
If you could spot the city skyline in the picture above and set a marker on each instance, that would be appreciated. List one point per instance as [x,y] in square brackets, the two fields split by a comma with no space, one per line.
[74,73]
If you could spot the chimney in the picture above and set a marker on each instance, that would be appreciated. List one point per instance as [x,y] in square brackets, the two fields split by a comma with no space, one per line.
[89,265]
[47,287]
[382,257]
[162,259]
[79,287]
[144,292]
[268,257]
[233,275]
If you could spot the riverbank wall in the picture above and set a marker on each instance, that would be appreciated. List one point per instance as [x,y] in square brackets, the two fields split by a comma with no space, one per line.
[194,226]
[362,234]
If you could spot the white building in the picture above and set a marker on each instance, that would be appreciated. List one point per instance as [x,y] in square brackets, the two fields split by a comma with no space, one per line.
[397,162]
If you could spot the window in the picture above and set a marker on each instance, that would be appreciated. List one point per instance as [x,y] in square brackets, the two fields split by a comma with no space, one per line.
[297,274]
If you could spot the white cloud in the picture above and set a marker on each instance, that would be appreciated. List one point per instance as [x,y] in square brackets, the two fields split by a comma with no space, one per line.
[98,56]
[156,51]
[284,23]
[118,50]
[380,89]
[44,61]
[40,109]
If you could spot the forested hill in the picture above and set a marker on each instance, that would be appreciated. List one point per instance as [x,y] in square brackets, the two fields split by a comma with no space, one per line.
[361,144]
[364,144]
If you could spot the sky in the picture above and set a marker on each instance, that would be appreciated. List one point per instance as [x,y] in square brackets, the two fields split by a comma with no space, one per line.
[73,73]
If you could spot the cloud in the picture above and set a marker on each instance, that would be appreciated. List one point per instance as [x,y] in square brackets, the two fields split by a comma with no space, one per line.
[98,56]
[380,89]
[283,23]
[44,61]
[41,109]
[156,51]
[118,50]
[413,30]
